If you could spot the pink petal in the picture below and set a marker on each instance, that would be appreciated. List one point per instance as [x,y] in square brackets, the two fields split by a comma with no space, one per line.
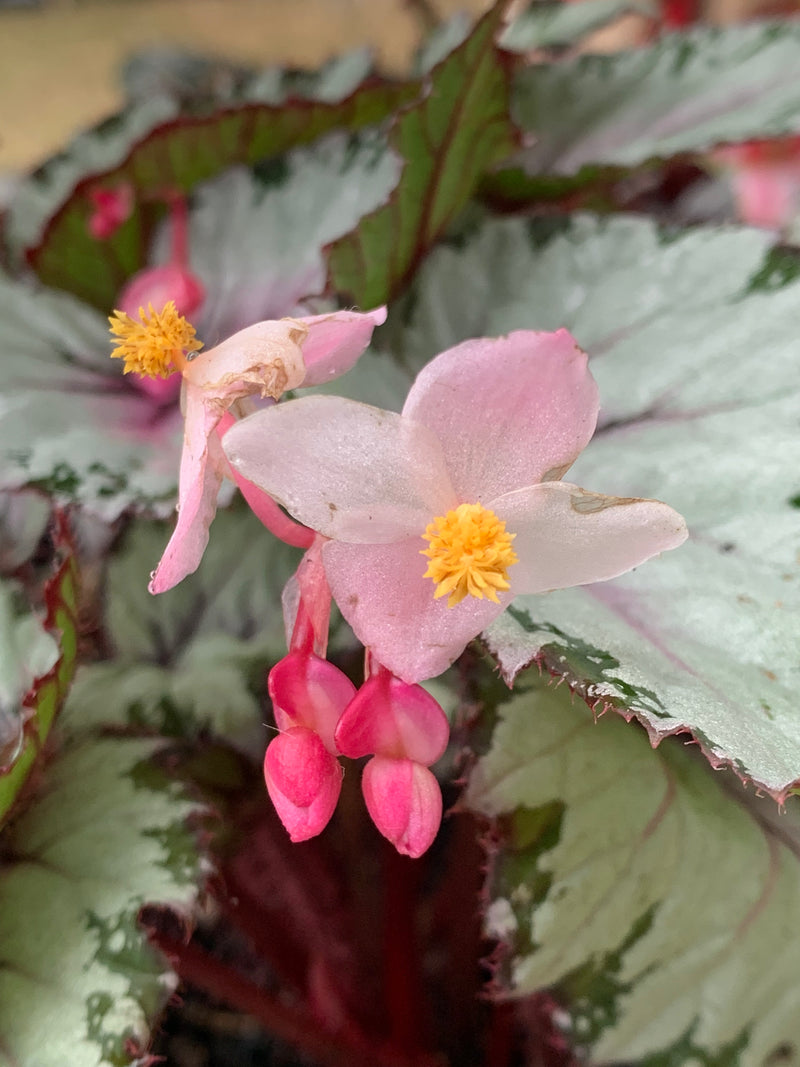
[303,780]
[162,391]
[509,412]
[569,536]
[348,470]
[391,608]
[308,691]
[768,196]
[390,718]
[405,803]
[202,464]
[335,342]
[159,285]
[265,359]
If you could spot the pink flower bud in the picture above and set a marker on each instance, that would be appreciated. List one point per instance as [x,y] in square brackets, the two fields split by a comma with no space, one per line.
[303,780]
[159,285]
[404,801]
[308,691]
[110,208]
[390,718]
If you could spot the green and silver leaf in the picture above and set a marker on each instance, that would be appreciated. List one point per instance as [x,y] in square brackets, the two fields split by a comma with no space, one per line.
[560,24]
[657,904]
[196,656]
[458,129]
[686,93]
[104,835]
[37,664]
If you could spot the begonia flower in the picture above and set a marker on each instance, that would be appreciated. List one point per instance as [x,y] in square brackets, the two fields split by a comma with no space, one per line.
[405,730]
[440,516]
[262,360]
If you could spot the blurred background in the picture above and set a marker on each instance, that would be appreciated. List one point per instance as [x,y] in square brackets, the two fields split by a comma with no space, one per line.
[61,60]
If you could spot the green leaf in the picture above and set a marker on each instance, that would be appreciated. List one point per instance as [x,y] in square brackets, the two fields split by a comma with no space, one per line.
[687,93]
[24,516]
[196,656]
[694,343]
[94,151]
[256,239]
[105,835]
[179,155]
[71,423]
[458,130]
[654,897]
[559,24]
[37,663]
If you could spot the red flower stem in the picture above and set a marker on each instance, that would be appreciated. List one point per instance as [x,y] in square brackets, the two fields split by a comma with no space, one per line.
[276,521]
[180,230]
[405,995]
[295,1028]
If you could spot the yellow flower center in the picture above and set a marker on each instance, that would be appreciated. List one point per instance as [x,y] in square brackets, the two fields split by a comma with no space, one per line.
[157,345]
[470,553]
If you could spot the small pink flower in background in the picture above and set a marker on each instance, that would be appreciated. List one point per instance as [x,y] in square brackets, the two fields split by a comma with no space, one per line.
[110,208]
[405,730]
[262,360]
[439,517]
[766,179]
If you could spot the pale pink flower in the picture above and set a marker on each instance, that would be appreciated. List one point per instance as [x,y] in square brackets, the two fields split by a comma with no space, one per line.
[405,730]
[262,360]
[465,485]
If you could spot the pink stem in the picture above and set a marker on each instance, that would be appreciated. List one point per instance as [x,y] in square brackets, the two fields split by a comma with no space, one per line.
[263,506]
[179,215]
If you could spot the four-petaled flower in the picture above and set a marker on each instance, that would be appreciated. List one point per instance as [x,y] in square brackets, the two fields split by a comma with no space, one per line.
[439,516]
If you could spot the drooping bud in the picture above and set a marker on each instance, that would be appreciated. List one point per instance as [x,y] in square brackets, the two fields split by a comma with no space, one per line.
[303,781]
[404,801]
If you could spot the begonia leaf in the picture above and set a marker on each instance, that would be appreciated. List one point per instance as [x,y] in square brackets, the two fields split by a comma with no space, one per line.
[550,25]
[37,663]
[256,239]
[178,155]
[79,429]
[457,130]
[195,656]
[693,342]
[103,834]
[94,151]
[23,519]
[686,93]
[655,900]
[71,423]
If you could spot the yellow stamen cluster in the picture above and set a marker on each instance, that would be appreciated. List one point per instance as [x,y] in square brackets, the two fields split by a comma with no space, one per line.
[157,345]
[470,553]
